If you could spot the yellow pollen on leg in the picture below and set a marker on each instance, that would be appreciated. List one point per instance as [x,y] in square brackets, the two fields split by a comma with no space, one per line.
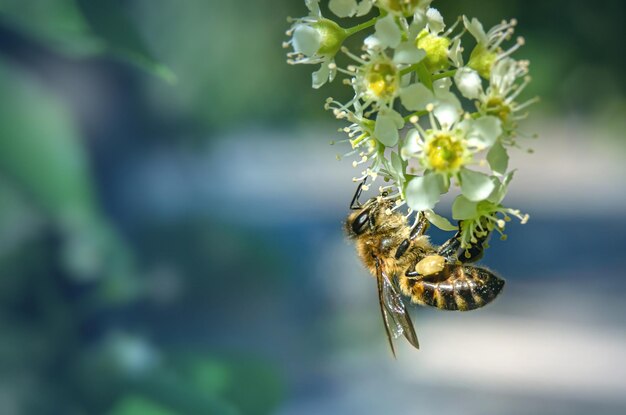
[430,265]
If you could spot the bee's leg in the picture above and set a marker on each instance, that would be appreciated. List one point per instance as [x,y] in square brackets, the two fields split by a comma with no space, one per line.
[421,224]
[452,251]
[413,275]
[355,204]
[475,252]
[450,248]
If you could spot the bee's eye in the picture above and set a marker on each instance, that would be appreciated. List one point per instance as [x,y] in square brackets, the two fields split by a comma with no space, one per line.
[359,225]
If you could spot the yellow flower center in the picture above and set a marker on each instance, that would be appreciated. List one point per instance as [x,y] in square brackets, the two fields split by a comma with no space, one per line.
[482,60]
[381,80]
[497,107]
[436,48]
[445,153]
[405,7]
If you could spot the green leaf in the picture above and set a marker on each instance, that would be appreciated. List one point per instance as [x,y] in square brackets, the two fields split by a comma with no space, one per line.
[463,209]
[109,22]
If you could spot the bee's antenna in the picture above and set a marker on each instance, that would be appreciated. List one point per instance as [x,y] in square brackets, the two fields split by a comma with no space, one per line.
[355,204]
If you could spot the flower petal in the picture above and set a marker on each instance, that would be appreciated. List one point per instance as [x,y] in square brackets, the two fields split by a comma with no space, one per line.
[439,221]
[306,40]
[448,108]
[364,7]
[463,209]
[372,42]
[412,144]
[484,132]
[423,192]
[456,53]
[313,6]
[415,97]
[388,32]
[435,21]
[476,29]
[386,128]
[418,24]
[320,77]
[408,53]
[498,194]
[441,86]
[498,159]
[475,186]
[343,8]
[469,83]
[396,163]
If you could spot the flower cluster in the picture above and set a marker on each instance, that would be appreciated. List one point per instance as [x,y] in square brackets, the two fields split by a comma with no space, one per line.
[425,115]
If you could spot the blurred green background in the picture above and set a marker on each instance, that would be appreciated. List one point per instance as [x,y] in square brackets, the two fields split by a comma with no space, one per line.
[170,211]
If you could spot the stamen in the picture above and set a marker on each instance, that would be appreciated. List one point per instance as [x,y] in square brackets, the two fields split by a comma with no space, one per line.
[351,55]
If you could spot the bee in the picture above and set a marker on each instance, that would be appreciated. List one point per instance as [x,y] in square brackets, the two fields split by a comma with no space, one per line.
[403,260]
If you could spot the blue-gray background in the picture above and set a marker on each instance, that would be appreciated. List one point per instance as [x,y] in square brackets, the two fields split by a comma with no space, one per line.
[170,224]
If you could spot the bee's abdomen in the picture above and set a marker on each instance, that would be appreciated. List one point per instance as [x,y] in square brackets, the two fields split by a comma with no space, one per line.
[460,288]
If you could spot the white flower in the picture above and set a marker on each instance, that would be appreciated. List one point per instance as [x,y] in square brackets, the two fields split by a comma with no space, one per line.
[445,150]
[503,90]
[488,49]
[479,218]
[349,8]
[499,98]
[314,40]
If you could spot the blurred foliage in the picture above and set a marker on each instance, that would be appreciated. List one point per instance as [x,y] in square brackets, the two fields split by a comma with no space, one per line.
[67,272]
[82,28]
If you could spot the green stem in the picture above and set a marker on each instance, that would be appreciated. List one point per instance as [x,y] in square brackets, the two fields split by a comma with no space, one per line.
[448,74]
[422,72]
[354,29]
[424,75]
[409,69]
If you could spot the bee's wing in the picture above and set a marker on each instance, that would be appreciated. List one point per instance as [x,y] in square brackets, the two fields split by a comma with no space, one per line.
[395,317]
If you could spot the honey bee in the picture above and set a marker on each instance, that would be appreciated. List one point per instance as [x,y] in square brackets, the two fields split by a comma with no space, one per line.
[402,259]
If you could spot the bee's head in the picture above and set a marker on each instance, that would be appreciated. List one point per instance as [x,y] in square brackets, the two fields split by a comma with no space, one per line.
[363,220]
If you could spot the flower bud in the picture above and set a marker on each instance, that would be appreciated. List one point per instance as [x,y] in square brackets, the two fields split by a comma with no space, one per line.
[331,36]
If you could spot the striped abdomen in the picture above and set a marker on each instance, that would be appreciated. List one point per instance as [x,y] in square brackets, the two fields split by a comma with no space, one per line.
[459,287]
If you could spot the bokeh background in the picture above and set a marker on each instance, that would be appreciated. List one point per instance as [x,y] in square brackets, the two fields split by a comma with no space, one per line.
[170,224]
